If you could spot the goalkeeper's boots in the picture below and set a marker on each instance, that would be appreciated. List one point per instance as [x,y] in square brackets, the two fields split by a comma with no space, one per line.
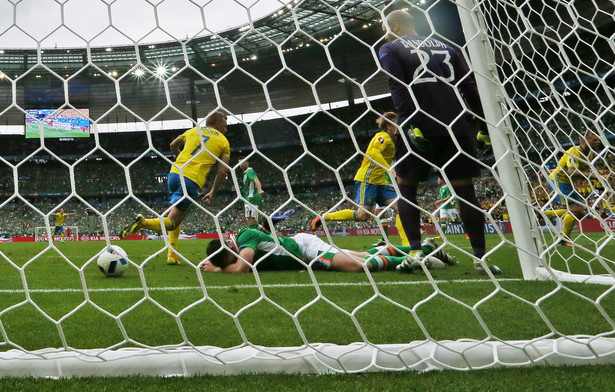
[316,223]
[478,267]
[172,259]
[128,230]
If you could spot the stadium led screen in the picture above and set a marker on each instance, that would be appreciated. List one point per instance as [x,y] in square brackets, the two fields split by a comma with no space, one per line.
[57,123]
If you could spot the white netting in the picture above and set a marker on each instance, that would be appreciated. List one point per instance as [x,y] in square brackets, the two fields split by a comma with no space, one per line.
[544,72]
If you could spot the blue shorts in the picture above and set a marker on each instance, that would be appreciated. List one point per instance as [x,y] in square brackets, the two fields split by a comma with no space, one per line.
[176,192]
[58,229]
[565,190]
[370,194]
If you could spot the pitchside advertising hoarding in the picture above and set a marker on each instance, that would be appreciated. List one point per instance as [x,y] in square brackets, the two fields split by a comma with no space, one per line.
[587,226]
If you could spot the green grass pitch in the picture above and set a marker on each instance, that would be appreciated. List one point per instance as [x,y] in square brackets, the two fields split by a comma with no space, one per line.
[455,304]
[33,131]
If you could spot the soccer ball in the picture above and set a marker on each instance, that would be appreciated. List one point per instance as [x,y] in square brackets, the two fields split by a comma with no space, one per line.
[113,261]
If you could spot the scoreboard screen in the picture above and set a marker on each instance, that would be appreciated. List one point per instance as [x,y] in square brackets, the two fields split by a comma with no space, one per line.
[57,123]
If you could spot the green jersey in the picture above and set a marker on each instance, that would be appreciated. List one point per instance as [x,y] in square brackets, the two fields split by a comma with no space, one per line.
[248,187]
[275,257]
[444,193]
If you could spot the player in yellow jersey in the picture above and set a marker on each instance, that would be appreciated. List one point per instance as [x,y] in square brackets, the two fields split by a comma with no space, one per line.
[197,150]
[60,222]
[574,165]
[372,184]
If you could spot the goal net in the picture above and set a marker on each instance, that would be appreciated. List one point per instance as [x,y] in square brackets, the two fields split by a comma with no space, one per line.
[302,85]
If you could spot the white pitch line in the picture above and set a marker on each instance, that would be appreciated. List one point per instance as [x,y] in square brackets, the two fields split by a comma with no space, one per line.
[293,285]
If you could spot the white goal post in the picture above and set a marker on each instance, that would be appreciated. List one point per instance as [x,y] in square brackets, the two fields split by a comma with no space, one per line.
[40,233]
[536,109]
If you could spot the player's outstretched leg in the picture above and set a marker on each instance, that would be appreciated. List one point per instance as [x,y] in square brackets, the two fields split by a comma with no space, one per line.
[134,226]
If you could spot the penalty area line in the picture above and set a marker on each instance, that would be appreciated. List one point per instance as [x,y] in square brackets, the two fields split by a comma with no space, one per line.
[253,286]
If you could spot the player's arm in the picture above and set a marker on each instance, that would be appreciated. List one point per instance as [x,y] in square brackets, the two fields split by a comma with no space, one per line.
[467,84]
[442,201]
[391,64]
[240,266]
[220,176]
[259,186]
[177,145]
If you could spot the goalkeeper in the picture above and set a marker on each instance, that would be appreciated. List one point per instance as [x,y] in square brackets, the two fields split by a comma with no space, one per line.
[427,78]
[197,150]
[259,249]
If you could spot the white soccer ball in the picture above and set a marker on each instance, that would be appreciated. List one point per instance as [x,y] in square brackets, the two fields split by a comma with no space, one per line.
[113,261]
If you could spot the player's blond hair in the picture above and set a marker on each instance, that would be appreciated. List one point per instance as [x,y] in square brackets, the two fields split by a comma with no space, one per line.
[215,118]
[386,119]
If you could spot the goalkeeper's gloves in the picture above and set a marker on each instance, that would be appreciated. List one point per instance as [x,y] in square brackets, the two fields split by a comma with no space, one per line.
[415,136]
[483,139]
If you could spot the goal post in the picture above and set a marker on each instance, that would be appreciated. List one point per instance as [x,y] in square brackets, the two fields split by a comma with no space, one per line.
[505,149]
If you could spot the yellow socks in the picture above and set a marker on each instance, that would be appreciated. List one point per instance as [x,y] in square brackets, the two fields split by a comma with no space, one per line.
[154,224]
[174,238]
[555,213]
[343,215]
[569,222]
[402,233]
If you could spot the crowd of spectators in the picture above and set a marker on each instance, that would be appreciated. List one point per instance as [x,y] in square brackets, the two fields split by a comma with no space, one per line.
[301,161]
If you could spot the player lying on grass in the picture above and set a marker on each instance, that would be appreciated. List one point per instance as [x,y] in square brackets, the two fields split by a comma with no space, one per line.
[258,249]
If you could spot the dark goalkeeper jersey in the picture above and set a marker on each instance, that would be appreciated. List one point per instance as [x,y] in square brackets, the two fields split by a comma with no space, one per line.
[431,69]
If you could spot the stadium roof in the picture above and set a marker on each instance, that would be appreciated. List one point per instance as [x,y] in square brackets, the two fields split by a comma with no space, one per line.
[284,53]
